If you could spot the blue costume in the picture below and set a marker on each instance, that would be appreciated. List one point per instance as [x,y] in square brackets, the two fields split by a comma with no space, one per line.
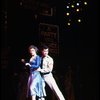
[36,84]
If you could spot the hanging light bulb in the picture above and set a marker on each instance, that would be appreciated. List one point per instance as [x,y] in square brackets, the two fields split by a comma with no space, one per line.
[85,3]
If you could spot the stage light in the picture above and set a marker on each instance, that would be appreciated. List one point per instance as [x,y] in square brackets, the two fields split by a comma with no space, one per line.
[67,6]
[67,14]
[72,6]
[77,4]
[74,9]
[68,23]
[77,10]
[85,3]
[79,20]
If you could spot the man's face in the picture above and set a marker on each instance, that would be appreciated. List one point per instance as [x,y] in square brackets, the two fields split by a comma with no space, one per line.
[45,52]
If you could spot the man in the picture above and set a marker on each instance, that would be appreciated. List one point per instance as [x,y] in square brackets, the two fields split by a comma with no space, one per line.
[46,70]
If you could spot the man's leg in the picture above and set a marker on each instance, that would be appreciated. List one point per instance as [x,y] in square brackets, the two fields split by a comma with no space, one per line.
[41,98]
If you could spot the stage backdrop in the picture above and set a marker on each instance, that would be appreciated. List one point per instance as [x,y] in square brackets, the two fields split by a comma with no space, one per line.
[49,35]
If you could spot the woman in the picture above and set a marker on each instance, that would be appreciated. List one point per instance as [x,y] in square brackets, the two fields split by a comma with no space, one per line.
[36,84]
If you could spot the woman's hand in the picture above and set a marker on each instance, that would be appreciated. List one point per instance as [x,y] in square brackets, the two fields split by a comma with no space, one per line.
[27,64]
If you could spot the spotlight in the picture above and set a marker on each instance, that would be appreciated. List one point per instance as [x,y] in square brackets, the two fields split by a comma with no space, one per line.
[77,4]
[79,20]
[67,6]
[77,10]
[67,14]
[85,3]
[72,6]
[68,24]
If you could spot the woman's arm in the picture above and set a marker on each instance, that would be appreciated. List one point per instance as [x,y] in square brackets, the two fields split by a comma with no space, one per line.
[35,64]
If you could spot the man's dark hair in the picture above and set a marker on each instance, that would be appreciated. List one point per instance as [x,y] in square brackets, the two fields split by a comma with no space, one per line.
[44,47]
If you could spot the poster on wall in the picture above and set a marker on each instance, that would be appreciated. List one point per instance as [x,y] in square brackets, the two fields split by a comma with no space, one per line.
[49,35]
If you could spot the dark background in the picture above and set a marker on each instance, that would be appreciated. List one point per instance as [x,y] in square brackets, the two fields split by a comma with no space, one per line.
[78,48]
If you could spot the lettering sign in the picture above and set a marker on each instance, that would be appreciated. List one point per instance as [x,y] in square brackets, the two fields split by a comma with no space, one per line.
[49,35]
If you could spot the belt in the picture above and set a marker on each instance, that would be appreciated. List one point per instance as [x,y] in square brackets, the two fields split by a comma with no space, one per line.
[45,73]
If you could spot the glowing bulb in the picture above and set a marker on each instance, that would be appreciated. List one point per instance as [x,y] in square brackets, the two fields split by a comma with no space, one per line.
[85,3]
[67,7]
[68,24]
[67,14]
[77,10]
[72,6]
[77,4]
[79,20]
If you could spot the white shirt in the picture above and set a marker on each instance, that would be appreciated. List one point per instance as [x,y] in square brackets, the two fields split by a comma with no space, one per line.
[47,65]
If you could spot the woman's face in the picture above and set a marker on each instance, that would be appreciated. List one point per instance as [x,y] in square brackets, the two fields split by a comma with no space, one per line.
[45,52]
[32,51]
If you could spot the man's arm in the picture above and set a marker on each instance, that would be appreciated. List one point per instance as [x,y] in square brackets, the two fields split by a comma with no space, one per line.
[48,68]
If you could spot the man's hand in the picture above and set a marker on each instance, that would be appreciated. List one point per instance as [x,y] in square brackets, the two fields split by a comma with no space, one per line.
[39,69]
